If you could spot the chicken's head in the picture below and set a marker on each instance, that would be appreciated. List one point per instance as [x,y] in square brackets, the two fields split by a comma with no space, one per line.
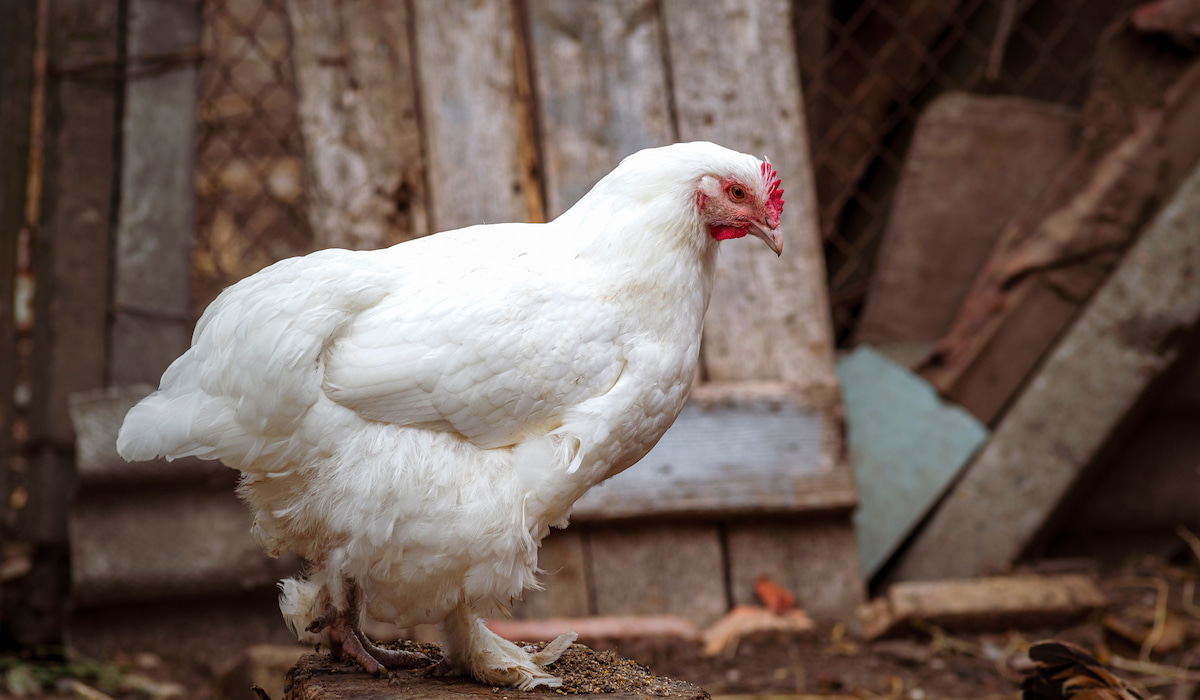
[733,207]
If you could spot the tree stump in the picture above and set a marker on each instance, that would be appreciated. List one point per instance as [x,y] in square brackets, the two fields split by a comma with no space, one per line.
[586,674]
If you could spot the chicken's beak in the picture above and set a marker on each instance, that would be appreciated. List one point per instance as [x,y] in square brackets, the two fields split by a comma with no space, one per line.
[773,237]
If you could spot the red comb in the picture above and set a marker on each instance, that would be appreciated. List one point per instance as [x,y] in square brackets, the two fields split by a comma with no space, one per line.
[774,192]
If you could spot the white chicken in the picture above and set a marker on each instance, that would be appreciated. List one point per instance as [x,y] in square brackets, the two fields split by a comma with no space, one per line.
[413,420]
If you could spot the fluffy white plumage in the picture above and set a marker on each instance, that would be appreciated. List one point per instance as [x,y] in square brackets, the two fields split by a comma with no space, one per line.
[413,420]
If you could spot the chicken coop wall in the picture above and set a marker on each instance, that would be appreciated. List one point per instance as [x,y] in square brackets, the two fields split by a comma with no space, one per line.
[868,69]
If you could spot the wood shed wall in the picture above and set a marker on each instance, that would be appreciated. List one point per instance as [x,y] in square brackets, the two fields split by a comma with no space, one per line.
[411,117]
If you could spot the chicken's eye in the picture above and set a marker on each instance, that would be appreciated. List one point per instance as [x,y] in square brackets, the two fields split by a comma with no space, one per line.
[737,193]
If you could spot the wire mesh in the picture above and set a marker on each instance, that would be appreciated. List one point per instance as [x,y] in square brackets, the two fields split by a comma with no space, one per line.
[250,174]
[869,68]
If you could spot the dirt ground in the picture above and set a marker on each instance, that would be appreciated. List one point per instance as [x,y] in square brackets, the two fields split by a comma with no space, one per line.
[1149,599]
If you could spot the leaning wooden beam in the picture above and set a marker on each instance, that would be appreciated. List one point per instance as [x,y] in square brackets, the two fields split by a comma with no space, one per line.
[1129,334]
[1057,252]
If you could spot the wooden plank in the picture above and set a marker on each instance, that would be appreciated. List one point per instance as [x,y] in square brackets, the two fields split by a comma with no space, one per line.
[942,226]
[157,216]
[813,558]
[730,90]
[564,578]
[478,142]
[998,603]
[680,570]
[602,90]
[736,448]
[907,447]
[1127,336]
[165,544]
[357,110]
[1007,323]
[768,319]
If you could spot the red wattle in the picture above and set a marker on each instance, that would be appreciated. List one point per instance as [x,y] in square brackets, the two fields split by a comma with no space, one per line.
[724,233]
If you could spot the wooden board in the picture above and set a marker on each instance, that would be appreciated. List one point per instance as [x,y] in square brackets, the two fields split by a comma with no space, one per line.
[357,109]
[679,570]
[736,448]
[167,543]
[942,225]
[998,603]
[769,317]
[156,221]
[602,90]
[1126,337]
[478,139]
[1053,256]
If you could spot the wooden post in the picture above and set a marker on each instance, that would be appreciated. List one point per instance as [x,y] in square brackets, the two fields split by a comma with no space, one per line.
[17,46]
[156,223]
[71,309]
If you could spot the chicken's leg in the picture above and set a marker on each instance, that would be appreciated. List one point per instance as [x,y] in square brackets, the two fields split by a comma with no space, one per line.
[474,650]
[347,637]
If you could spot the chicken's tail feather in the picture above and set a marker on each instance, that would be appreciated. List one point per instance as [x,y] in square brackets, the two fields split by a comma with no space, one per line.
[166,426]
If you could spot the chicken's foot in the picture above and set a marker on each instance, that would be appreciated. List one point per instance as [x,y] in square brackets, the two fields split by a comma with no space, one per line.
[346,637]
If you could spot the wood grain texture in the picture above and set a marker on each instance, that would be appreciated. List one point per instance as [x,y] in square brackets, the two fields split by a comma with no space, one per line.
[474,126]
[602,90]
[660,568]
[357,111]
[167,543]
[736,83]
[1126,337]
[736,448]
[156,222]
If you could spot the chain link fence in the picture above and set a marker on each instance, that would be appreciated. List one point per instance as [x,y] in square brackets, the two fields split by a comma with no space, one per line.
[250,157]
[869,68]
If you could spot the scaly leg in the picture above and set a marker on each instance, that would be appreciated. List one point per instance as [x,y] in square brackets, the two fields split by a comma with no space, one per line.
[346,637]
